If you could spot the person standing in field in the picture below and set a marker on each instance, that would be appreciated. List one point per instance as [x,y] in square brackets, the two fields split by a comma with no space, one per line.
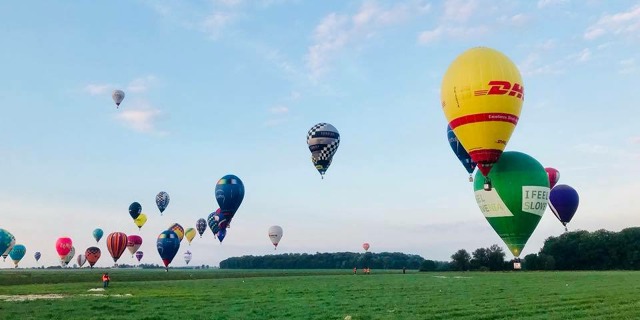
[355,270]
[105,280]
[404,270]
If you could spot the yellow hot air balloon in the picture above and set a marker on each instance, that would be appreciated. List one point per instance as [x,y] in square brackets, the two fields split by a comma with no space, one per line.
[190,233]
[140,220]
[482,95]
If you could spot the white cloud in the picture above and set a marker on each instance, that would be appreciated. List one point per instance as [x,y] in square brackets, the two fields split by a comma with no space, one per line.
[459,10]
[517,20]
[97,89]
[215,23]
[623,23]
[550,3]
[532,65]
[582,56]
[140,117]
[336,31]
[280,109]
[430,36]
[141,84]
[627,66]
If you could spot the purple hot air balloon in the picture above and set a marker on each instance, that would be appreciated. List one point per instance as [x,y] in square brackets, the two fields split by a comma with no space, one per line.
[564,201]
[139,255]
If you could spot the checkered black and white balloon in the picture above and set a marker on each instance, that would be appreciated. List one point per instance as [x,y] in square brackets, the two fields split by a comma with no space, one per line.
[323,140]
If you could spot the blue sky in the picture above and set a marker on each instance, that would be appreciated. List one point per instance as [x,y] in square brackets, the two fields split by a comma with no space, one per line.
[232,86]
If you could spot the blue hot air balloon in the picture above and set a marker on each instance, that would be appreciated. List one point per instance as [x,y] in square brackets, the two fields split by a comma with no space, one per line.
[162,201]
[221,234]
[97,234]
[564,201]
[168,245]
[229,194]
[17,253]
[135,209]
[461,153]
[37,255]
[212,220]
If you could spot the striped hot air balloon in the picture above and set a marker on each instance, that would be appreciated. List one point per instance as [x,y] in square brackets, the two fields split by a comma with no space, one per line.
[116,243]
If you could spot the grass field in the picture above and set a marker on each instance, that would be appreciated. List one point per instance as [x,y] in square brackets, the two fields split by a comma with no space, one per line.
[319,294]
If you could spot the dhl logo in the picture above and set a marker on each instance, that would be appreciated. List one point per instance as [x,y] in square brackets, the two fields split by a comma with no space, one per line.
[499,87]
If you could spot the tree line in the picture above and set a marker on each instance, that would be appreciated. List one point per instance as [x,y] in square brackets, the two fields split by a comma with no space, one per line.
[336,260]
[577,250]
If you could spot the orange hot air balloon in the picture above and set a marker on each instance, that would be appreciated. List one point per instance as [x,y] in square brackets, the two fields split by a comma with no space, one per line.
[482,95]
[92,254]
[116,243]
[63,246]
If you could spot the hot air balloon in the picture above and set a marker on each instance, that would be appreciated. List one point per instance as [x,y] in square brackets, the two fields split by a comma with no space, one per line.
[187,256]
[323,140]
[365,246]
[168,245]
[139,255]
[133,243]
[229,195]
[65,261]
[554,176]
[17,253]
[190,233]
[116,243]
[564,201]
[461,153]
[482,94]
[518,199]
[97,234]
[178,229]
[81,260]
[140,220]
[7,241]
[134,210]
[201,226]
[275,234]
[117,96]
[162,201]
[222,233]
[92,254]
[212,220]
[63,247]
[37,255]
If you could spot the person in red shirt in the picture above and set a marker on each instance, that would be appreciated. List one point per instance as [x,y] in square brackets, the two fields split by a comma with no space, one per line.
[105,280]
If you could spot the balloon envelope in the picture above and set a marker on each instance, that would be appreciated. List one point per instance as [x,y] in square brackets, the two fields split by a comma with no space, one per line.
[365,246]
[17,253]
[97,234]
[190,233]
[81,260]
[554,176]
[134,210]
[178,229]
[201,226]
[481,95]
[37,255]
[133,243]
[139,255]
[69,256]
[212,220]
[323,140]
[187,256]
[275,234]
[460,152]
[229,194]
[117,96]
[7,241]
[63,246]
[162,201]
[140,220]
[116,243]
[518,199]
[168,245]
[92,254]
[564,201]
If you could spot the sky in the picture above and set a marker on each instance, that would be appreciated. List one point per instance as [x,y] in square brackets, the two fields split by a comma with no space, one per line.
[232,87]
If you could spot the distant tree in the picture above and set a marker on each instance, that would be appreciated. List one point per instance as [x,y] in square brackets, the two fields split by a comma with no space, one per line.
[495,257]
[480,258]
[428,265]
[460,261]
[530,262]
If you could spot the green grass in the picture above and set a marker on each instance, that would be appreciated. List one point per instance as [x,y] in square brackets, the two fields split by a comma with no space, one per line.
[322,294]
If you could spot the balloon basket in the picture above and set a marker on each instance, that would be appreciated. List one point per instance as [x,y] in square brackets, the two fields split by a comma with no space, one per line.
[487,184]
[470,178]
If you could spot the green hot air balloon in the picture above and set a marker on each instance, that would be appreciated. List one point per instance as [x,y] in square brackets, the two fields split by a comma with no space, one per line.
[518,199]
